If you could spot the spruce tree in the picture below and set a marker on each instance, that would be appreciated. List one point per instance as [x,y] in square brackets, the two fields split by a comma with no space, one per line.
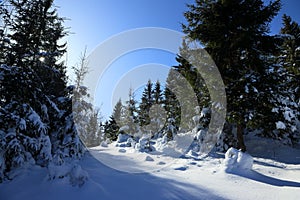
[145,105]
[36,123]
[111,129]
[234,33]
[157,112]
[172,107]
[130,116]
[35,34]
[287,98]
[118,113]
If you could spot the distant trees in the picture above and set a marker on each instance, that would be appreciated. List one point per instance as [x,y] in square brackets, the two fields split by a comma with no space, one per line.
[86,117]
[147,117]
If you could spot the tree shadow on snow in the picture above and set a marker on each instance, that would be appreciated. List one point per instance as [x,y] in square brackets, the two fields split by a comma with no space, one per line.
[123,185]
[256,176]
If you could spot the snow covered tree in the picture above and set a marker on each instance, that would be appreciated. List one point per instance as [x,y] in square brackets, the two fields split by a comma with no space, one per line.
[157,93]
[130,119]
[118,113]
[36,123]
[239,46]
[111,129]
[157,113]
[193,77]
[82,109]
[34,31]
[145,105]
[172,106]
[93,129]
[287,98]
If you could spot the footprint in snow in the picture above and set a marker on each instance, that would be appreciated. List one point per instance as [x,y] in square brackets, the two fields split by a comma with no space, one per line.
[183,168]
[122,150]
[148,158]
[161,163]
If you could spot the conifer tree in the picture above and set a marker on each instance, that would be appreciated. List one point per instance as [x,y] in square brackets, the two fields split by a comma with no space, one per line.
[157,113]
[286,99]
[130,116]
[172,107]
[36,123]
[239,45]
[111,129]
[118,113]
[35,31]
[145,105]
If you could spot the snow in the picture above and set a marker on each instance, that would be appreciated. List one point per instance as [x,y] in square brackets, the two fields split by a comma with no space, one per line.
[237,161]
[267,171]
[280,125]
[122,138]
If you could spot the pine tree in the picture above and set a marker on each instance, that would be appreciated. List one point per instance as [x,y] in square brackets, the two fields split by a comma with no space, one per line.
[145,105]
[93,129]
[118,113]
[35,31]
[36,123]
[194,79]
[157,93]
[172,107]
[287,98]
[239,46]
[157,113]
[111,129]
[130,116]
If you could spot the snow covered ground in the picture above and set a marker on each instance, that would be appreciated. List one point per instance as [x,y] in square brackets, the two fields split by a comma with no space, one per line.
[275,175]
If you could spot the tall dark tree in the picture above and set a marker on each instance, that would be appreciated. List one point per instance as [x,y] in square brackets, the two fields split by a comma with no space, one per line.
[234,33]
[111,129]
[145,105]
[34,31]
[36,122]
[172,107]
[157,93]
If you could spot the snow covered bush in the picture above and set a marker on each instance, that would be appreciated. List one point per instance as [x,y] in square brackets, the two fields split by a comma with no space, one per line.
[237,161]
[72,172]
[122,138]
[144,145]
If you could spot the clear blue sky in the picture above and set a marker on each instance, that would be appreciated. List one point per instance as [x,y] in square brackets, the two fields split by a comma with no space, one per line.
[94,21]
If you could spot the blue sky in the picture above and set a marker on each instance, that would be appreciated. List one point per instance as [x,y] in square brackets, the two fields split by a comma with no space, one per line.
[94,21]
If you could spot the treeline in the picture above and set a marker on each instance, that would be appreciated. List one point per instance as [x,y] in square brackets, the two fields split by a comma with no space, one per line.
[261,73]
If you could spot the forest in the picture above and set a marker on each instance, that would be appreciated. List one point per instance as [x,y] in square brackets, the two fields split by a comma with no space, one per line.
[49,122]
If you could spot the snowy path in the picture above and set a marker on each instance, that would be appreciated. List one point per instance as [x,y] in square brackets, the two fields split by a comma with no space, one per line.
[182,179]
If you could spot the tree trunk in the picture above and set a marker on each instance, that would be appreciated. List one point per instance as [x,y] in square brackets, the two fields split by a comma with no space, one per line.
[240,137]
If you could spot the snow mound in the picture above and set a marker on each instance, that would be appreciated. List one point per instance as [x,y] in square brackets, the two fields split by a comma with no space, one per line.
[71,172]
[103,144]
[237,161]
[144,145]
[122,138]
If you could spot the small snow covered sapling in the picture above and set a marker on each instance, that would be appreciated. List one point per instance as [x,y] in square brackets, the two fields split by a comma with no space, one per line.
[237,161]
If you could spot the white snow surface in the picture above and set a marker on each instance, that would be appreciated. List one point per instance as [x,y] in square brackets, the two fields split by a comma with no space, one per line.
[273,174]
